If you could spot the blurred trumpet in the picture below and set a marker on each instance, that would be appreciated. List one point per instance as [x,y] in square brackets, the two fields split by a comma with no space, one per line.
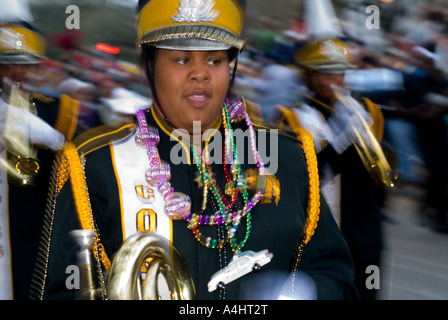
[23,167]
[366,144]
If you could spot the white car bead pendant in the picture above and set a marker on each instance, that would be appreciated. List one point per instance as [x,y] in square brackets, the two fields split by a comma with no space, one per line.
[241,264]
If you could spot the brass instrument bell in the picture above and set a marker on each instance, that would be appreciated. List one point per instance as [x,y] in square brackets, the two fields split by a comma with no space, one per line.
[23,167]
[367,146]
[136,269]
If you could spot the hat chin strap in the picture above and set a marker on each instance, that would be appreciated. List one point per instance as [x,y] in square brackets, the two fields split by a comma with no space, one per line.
[232,79]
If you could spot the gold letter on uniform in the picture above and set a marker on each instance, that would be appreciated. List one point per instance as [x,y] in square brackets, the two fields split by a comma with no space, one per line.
[146,220]
[145,193]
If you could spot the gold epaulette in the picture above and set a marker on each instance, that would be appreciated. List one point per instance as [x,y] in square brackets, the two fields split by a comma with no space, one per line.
[313,206]
[287,120]
[40,97]
[91,140]
[100,136]
[375,112]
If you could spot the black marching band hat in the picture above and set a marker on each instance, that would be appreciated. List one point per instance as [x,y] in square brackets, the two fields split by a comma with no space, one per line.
[191,24]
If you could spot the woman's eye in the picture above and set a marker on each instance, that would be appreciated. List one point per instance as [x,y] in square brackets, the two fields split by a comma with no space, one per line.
[182,60]
[214,61]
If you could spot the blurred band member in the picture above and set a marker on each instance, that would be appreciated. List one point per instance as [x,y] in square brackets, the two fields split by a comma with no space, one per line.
[349,189]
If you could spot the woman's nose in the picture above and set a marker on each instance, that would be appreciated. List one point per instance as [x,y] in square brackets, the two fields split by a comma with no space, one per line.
[199,72]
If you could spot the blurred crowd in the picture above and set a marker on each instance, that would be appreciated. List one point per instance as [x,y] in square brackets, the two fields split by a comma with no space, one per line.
[404,69]
[107,88]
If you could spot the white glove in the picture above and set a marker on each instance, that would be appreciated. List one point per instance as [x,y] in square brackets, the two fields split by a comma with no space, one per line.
[18,122]
[314,122]
[42,133]
[345,124]
[343,136]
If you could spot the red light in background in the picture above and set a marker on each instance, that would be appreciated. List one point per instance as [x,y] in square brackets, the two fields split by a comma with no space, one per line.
[106,48]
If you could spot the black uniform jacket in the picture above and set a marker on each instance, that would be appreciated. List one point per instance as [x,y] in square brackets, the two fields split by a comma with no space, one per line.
[277,227]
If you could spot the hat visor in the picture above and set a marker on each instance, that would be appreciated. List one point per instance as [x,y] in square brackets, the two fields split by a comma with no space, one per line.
[191,44]
[192,37]
[19,59]
[332,67]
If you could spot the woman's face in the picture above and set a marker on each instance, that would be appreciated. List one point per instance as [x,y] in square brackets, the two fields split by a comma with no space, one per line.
[191,86]
[323,84]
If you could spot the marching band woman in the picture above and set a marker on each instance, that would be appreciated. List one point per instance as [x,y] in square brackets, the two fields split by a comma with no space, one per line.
[180,170]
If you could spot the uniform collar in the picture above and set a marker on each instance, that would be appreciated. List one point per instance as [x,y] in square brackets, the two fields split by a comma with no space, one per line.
[181,137]
[323,107]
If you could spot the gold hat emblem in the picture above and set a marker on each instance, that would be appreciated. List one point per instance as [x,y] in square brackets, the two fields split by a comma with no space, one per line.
[12,39]
[196,11]
[333,51]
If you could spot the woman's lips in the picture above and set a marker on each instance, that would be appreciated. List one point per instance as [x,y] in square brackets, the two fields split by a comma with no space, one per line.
[198,99]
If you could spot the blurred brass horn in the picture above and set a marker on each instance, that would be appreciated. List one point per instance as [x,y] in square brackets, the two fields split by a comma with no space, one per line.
[136,268]
[23,167]
[368,147]
[23,171]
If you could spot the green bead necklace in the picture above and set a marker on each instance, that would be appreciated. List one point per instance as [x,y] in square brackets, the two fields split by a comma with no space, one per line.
[225,216]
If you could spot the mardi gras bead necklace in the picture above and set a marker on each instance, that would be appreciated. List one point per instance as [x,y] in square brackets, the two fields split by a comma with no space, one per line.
[177,204]
[225,216]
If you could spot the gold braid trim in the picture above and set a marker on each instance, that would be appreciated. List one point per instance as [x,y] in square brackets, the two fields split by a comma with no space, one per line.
[67,117]
[63,175]
[313,209]
[290,119]
[80,195]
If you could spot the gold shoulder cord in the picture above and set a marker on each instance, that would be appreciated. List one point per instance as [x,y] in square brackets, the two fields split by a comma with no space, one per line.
[67,118]
[81,197]
[313,210]
[68,164]
[306,140]
[93,140]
